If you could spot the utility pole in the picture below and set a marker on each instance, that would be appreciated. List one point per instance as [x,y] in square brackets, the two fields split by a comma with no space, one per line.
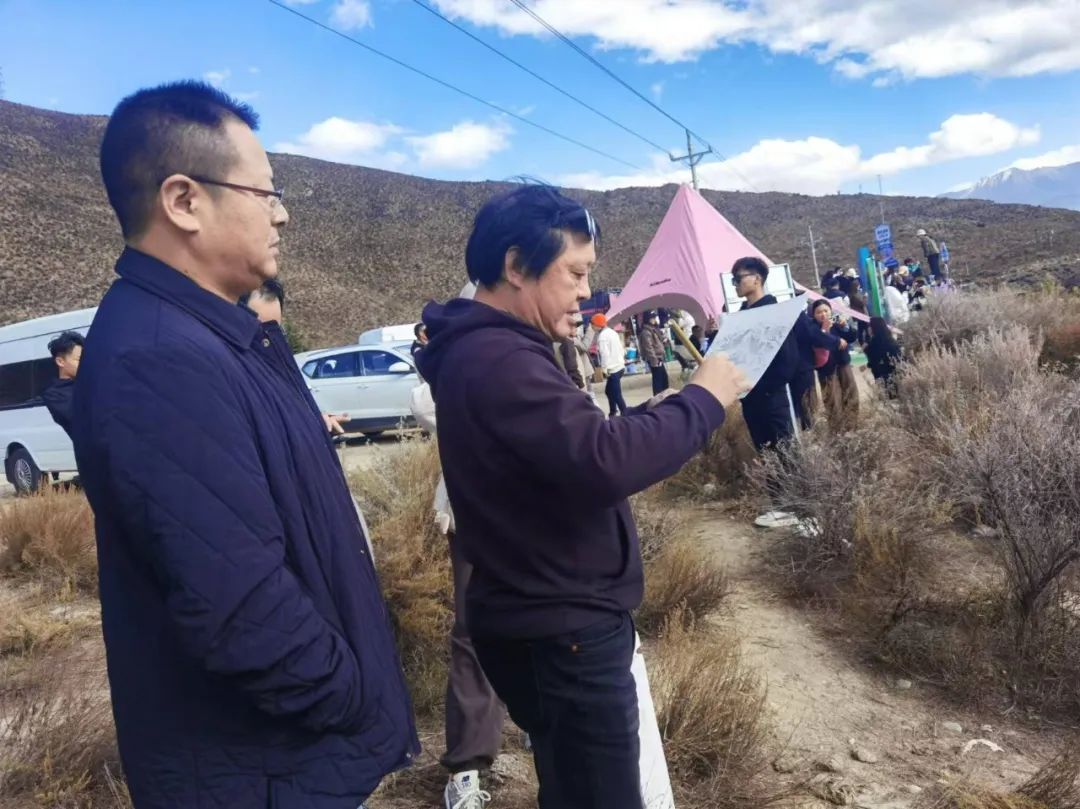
[691,157]
[881,199]
[813,255]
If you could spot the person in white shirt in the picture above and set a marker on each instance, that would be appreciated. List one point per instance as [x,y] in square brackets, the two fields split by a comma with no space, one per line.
[612,361]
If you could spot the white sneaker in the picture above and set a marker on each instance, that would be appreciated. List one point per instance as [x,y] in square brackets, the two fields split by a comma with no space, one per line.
[463,791]
[776,519]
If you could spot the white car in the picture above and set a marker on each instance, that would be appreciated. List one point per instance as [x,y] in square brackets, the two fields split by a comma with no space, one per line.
[372,383]
[32,445]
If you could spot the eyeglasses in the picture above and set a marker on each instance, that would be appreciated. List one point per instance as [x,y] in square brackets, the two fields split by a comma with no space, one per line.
[274,194]
[743,276]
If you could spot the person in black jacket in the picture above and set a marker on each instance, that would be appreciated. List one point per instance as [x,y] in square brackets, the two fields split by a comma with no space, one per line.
[883,355]
[767,409]
[421,339]
[66,351]
[840,391]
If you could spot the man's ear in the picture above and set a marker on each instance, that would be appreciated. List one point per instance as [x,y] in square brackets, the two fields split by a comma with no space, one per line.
[513,274]
[59,362]
[180,199]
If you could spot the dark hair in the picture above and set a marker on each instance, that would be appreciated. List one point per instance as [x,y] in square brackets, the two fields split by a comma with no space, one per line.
[419,327]
[833,282]
[752,263]
[530,219]
[881,328]
[271,290]
[175,128]
[64,344]
[818,303]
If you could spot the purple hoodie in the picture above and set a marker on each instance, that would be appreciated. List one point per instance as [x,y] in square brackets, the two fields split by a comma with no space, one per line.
[538,478]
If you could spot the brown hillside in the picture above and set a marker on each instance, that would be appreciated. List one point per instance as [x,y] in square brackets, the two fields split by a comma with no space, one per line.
[368,247]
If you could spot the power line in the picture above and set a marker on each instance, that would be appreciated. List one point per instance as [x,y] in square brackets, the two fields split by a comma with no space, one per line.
[537,76]
[449,86]
[693,158]
[521,4]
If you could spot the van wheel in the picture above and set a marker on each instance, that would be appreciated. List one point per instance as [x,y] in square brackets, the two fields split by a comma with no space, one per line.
[25,475]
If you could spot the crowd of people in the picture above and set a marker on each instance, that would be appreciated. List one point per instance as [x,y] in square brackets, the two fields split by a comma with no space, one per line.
[251,656]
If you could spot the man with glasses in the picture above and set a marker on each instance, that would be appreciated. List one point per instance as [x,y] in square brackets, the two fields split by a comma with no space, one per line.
[784,387]
[251,659]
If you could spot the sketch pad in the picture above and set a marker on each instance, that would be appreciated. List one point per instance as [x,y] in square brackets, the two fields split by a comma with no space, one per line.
[752,337]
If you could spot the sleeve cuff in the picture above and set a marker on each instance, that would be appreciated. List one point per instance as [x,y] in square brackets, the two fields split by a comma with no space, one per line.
[708,404]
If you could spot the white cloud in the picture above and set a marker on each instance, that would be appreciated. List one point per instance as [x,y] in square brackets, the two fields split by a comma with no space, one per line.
[465,145]
[1057,157]
[816,165]
[860,38]
[657,89]
[385,145]
[960,136]
[217,77]
[343,140]
[953,189]
[351,15]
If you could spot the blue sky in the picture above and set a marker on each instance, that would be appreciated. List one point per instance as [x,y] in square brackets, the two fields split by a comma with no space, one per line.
[812,96]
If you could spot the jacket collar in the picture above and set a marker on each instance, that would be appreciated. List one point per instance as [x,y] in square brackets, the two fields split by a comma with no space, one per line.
[236,324]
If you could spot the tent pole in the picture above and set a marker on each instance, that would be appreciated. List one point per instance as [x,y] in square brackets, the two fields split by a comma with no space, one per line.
[686,342]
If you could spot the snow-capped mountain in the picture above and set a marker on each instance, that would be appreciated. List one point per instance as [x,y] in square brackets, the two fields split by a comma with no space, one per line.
[1051,187]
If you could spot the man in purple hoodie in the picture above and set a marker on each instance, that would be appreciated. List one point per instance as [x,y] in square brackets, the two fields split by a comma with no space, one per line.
[538,479]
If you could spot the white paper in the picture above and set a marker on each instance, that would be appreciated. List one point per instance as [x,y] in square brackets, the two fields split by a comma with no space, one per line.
[752,337]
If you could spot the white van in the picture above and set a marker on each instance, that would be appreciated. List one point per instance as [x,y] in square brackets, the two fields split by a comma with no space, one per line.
[32,444]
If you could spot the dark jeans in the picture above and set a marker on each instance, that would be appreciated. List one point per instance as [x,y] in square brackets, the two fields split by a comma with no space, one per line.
[613,389]
[935,266]
[768,417]
[474,714]
[576,698]
[804,397]
[659,378]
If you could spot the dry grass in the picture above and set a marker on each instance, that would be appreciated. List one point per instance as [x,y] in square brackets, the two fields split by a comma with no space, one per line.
[1055,786]
[711,711]
[682,582]
[952,317]
[721,470]
[57,742]
[974,467]
[413,563]
[50,538]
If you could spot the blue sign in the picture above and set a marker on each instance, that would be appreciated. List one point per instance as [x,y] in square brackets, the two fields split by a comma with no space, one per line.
[883,236]
[944,253]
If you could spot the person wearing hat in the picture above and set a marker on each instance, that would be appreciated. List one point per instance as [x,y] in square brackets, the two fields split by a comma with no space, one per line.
[652,351]
[932,252]
[612,363]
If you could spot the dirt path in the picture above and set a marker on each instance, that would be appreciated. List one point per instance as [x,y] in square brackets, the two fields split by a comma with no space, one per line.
[829,707]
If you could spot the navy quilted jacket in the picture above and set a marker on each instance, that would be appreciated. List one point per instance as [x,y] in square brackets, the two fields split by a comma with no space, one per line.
[250,655]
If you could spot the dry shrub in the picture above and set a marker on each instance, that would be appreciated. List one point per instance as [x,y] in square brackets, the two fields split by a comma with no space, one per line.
[683,581]
[659,521]
[950,316]
[30,622]
[864,513]
[57,743]
[711,712]
[50,537]
[982,440]
[1062,347]
[962,383]
[720,470]
[413,563]
[1055,786]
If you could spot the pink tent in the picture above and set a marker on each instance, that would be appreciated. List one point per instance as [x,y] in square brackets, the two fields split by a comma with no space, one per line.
[681,269]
